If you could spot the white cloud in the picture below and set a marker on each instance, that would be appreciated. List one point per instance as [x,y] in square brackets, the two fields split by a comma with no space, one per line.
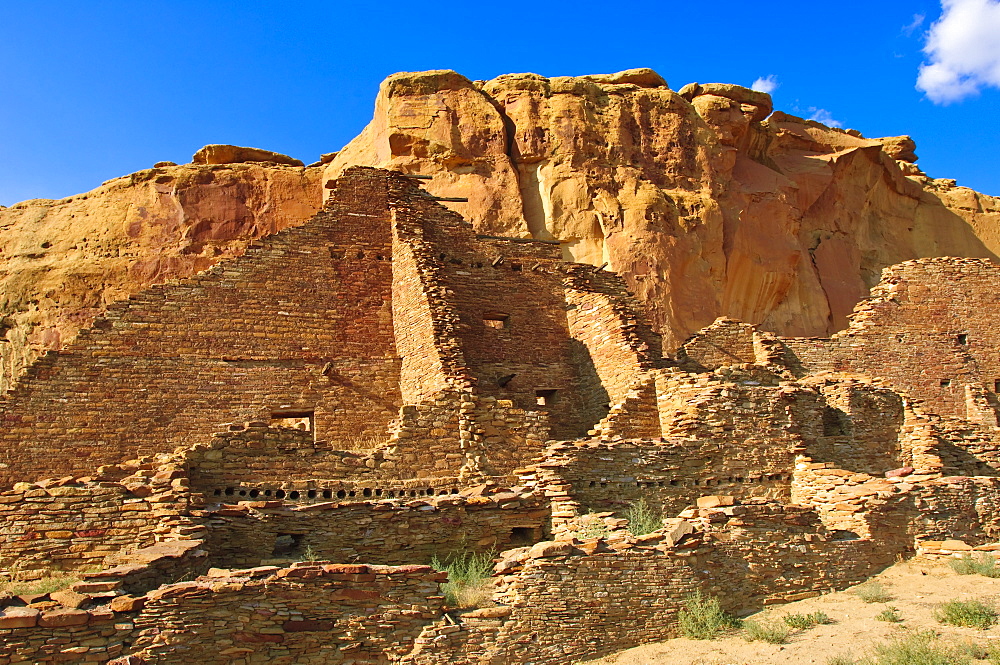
[964,51]
[823,116]
[918,20]
[766,84]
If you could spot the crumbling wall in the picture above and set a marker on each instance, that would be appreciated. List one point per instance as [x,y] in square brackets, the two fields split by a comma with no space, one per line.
[300,324]
[500,323]
[667,475]
[403,531]
[861,425]
[320,613]
[76,524]
[725,342]
[928,329]
[561,603]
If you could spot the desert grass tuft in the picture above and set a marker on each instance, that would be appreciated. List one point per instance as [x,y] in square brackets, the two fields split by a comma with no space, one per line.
[806,621]
[763,630]
[470,581]
[967,614]
[703,619]
[889,614]
[56,581]
[872,592]
[917,648]
[984,565]
[642,518]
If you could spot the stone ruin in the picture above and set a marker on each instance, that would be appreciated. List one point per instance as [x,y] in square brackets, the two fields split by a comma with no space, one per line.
[256,464]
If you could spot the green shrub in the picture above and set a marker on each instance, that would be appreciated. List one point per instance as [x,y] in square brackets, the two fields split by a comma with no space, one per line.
[805,621]
[872,592]
[967,613]
[703,619]
[470,582]
[772,632]
[919,648]
[984,565]
[841,660]
[642,518]
[890,614]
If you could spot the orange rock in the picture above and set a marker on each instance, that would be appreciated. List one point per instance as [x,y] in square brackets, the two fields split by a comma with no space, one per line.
[705,203]
[715,501]
[62,262]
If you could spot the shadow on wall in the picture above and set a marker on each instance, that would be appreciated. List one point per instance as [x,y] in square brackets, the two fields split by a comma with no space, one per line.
[593,395]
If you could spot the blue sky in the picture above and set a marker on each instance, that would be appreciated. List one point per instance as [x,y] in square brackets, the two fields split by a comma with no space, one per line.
[94,90]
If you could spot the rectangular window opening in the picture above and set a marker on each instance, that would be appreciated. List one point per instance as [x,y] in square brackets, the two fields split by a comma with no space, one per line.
[996,386]
[496,320]
[963,339]
[303,420]
[545,397]
[945,383]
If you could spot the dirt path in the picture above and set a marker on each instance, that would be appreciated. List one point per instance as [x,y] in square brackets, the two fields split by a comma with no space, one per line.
[916,587]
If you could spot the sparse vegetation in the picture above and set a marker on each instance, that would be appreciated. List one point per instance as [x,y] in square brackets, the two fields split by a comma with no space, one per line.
[806,621]
[984,565]
[470,582]
[763,630]
[642,518]
[917,648]
[590,527]
[703,619]
[967,613]
[53,582]
[890,614]
[873,592]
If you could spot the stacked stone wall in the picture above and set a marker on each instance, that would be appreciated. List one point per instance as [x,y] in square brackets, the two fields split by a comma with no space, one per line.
[310,613]
[668,475]
[301,323]
[928,330]
[500,320]
[401,531]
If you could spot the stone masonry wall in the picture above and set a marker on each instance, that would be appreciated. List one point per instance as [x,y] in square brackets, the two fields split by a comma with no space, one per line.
[301,323]
[668,475]
[78,524]
[562,603]
[499,308]
[309,613]
[401,531]
[928,329]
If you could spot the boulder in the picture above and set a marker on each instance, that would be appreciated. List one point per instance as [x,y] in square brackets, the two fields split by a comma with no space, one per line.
[902,148]
[218,153]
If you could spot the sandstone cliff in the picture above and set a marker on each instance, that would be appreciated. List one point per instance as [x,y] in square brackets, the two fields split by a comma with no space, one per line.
[704,200]
[62,262]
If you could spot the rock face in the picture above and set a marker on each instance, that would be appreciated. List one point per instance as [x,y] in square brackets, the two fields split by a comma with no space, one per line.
[704,200]
[62,262]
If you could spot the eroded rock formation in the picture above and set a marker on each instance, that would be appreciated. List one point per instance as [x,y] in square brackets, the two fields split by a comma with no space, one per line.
[704,200]
[62,262]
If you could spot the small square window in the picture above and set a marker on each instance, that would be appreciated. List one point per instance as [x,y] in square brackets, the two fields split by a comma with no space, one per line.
[496,320]
[963,339]
[945,383]
[545,397]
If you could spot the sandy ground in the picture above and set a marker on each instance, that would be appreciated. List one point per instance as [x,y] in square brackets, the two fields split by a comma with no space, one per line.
[917,588]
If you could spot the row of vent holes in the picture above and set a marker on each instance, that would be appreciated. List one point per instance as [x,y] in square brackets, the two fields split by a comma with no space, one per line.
[329,494]
[516,267]
[708,482]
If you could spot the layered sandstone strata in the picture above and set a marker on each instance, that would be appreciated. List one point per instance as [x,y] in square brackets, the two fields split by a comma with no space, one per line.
[62,262]
[704,200]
